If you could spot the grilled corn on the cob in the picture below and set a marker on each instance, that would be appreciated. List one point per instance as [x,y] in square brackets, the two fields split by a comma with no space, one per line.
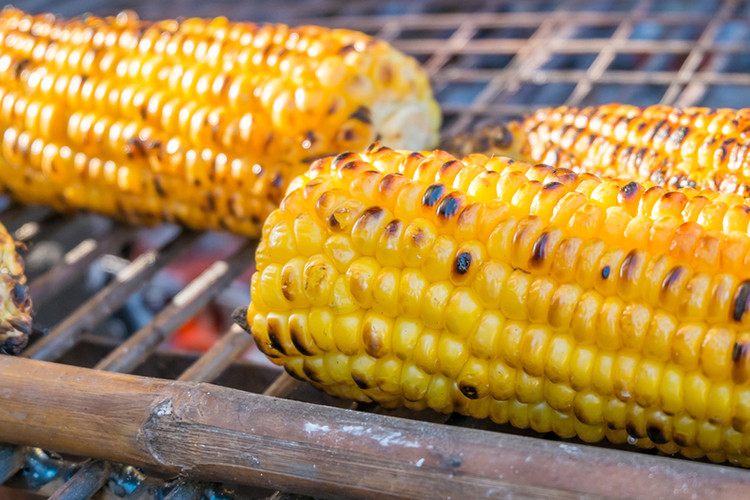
[531,295]
[693,147]
[15,304]
[199,121]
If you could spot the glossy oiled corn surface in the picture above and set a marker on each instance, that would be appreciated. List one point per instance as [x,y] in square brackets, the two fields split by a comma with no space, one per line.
[530,295]
[692,147]
[15,305]
[198,121]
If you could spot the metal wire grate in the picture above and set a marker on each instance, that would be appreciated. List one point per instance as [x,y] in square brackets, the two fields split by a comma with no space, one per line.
[487,59]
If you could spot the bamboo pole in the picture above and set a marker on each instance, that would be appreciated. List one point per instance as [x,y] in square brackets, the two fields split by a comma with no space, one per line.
[215,433]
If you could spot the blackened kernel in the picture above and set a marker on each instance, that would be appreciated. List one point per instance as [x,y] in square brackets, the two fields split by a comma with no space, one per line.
[311,375]
[632,430]
[343,157]
[656,434]
[159,186]
[392,227]
[448,207]
[462,263]
[539,250]
[678,136]
[445,167]
[469,391]
[741,299]
[671,278]
[432,195]
[19,294]
[297,341]
[334,222]
[274,339]
[361,383]
[387,182]
[293,374]
[629,189]
[551,186]
[362,114]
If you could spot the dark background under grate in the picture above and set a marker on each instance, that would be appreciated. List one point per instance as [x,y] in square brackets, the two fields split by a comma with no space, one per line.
[487,60]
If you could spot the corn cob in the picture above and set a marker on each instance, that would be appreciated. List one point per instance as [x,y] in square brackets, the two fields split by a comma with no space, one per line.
[201,121]
[531,295]
[15,304]
[692,147]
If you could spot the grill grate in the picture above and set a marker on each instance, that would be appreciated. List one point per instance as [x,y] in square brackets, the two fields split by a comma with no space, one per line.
[487,60]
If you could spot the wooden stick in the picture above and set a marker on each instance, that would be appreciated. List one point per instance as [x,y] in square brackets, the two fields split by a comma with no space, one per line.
[215,433]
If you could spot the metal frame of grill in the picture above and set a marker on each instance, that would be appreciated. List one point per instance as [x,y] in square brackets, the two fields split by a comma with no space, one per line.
[490,59]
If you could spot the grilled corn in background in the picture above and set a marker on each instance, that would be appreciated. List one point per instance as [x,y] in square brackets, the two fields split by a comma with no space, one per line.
[15,310]
[692,147]
[532,295]
[201,122]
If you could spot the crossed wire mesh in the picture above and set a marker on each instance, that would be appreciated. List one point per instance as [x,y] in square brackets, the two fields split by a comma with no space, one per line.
[487,60]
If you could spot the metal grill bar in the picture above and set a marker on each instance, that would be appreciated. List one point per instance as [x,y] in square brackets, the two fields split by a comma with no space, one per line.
[182,307]
[132,277]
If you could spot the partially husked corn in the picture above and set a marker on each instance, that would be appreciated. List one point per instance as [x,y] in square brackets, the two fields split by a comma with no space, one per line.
[200,121]
[692,147]
[15,304]
[530,295]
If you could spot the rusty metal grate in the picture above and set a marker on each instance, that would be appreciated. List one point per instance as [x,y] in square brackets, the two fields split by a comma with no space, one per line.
[487,59]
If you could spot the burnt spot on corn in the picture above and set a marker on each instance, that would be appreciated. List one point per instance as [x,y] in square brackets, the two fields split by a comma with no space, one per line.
[629,266]
[373,342]
[632,430]
[605,272]
[740,424]
[273,337]
[462,263]
[19,295]
[469,391]
[334,222]
[311,374]
[159,186]
[342,158]
[673,276]
[740,361]
[361,383]
[346,49]
[387,182]
[740,303]
[293,374]
[448,165]
[539,250]
[392,228]
[20,66]
[680,439]
[551,186]
[371,213]
[362,114]
[21,326]
[449,206]
[432,195]
[287,286]
[297,337]
[675,140]
[629,190]
[656,434]
[418,236]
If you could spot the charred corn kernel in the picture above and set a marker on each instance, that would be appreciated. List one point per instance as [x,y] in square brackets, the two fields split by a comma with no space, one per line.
[542,320]
[182,113]
[15,318]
